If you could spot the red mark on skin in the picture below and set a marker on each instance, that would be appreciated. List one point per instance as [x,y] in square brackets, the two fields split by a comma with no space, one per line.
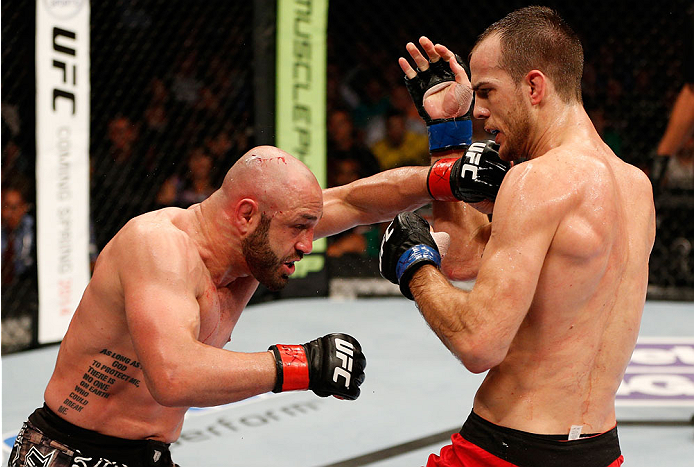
[213,330]
[278,158]
[209,295]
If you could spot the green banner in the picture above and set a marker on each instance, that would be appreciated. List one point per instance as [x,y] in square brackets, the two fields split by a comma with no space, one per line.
[301,94]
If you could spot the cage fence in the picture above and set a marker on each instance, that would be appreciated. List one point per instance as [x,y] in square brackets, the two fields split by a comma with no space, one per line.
[172,108]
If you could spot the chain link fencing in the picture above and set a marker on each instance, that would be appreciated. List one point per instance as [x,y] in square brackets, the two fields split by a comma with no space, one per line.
[632,75]
[172,108]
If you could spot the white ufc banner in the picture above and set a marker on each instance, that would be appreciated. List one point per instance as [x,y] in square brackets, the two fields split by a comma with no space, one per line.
[62,161]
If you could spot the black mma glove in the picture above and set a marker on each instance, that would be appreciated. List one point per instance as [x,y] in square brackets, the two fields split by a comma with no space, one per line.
[407,245]
[332,365]
[657,172]
[444,133]
[472,178]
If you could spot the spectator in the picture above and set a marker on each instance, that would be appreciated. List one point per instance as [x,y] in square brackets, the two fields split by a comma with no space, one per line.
[400,100]
[185,83]
[679,174]
[19,284]
[14,161]
[400,146]
[120,181]
[227,143]
[349,160]
[18,239]
[680,126]
[343,144]
[371,111]
[193,186]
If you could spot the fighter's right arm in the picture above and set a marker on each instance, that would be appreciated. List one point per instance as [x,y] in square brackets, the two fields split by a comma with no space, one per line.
[479,326]
[161,279]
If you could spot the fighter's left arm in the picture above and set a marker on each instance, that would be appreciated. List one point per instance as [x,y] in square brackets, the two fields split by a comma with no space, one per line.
[479,326]
[373,199]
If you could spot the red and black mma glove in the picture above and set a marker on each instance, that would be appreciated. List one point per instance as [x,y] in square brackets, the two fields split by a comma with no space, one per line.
[332,365]
[407,245]
[473,178]
[444,133]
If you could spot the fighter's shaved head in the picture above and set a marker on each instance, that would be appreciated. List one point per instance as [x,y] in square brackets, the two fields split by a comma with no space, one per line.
[270,176]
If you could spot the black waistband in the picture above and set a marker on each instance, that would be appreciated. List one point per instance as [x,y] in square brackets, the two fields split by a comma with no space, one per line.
[88,442]
[529,449]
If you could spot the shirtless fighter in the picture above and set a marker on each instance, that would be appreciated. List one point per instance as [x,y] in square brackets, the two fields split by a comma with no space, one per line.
[145,342]
[554,313]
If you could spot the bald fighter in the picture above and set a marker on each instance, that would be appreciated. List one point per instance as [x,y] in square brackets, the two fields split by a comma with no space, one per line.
[145,342]
[555,311]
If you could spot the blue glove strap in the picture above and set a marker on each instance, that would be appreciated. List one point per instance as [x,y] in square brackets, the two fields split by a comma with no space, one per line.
[449,135]
[414,254]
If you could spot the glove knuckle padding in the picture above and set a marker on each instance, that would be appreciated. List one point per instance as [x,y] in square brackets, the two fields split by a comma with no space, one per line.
[406,246]
[474,177]
[478,174]
[336,366]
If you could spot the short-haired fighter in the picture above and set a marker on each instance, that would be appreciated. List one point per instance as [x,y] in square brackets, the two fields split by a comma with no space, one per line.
[146,341]
[555,310]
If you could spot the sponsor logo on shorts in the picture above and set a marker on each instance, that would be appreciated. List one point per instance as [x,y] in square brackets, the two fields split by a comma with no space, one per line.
[34,458]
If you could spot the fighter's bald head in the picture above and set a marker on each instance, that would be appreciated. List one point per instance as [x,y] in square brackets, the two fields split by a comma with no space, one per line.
[270,176]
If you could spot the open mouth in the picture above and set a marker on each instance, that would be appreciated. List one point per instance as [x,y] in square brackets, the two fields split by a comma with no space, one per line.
[290,266]
[495,134]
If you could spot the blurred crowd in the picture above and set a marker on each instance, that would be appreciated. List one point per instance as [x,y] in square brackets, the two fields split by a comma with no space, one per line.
[174,135]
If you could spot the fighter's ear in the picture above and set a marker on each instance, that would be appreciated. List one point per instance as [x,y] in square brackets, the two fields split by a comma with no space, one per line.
[246,215]
[537,86]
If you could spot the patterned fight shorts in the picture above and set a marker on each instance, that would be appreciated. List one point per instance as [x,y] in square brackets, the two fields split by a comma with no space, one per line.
[46,440]
[481,443]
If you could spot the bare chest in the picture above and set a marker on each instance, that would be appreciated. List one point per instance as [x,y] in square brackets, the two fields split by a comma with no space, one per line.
[220,309]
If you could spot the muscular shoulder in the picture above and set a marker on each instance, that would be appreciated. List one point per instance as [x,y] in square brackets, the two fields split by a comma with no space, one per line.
[150,230]
[544,183]
[563,177]
[542,194]
[153,244]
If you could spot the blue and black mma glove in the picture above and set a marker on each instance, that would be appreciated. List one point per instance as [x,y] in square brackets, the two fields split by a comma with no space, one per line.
[407,245]
[444,133]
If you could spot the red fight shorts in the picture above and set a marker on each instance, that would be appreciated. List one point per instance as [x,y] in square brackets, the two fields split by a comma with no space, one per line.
[482,444]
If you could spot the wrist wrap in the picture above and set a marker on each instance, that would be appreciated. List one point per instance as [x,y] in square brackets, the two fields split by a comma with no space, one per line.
[439,180]
[449,134]
[292,368]
[418,253]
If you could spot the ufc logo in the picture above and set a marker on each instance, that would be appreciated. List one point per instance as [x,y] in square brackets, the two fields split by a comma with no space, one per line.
[65,65]
[472,156]
[345,352]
